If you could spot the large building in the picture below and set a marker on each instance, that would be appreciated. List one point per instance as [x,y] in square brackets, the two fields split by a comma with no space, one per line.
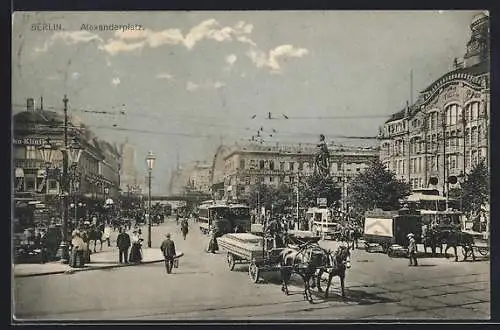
[129,183]
[445,133]
[252,163]
[194,176]
[96,175]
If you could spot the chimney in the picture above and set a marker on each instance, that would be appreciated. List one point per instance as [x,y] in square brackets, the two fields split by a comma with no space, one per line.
[30,104]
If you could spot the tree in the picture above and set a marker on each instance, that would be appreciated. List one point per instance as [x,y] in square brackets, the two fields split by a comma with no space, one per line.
[259,195]
[315,186]
[474,191]
[376,187]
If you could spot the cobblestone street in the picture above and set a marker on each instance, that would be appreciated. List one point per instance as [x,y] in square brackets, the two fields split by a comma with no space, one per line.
[377,287]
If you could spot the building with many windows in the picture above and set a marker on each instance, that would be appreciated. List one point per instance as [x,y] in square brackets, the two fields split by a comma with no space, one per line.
[97,171]
[251,163]
[445,133]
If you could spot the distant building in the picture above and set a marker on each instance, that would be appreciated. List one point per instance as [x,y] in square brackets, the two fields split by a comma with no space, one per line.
[252,163]
[129,180]
[445,133]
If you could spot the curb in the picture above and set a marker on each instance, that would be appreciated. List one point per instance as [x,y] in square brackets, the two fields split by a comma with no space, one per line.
[75,270]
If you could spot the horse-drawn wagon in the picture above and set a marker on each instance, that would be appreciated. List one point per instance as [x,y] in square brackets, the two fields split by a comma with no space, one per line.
[261,253]
[388,230]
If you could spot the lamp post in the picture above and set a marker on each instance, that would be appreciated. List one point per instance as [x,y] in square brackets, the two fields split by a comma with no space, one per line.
[150,161]
[71,155]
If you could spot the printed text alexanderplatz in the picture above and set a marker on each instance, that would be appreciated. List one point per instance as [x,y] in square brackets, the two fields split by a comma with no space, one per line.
[111,27]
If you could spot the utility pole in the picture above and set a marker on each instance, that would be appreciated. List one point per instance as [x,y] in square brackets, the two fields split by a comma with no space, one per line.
[65,190]
[297,210]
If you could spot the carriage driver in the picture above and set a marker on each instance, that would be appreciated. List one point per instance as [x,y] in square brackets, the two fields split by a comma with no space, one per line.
[275,230]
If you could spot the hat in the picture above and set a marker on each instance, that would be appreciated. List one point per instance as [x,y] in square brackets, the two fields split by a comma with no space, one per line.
[168,235]
[410,235]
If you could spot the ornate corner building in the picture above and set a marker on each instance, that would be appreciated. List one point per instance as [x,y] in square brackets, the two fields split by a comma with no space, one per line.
[446,131]
[95,177]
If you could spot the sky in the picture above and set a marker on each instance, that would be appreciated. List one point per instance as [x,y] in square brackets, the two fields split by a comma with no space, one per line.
[182,83]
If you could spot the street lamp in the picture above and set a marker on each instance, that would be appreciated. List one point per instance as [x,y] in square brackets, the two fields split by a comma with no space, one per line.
[150,161]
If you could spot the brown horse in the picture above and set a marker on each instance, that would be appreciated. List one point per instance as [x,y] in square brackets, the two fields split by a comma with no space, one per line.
[304,261]
[338,263]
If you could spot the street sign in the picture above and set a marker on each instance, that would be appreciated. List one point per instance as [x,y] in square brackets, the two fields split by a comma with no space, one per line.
[321,201]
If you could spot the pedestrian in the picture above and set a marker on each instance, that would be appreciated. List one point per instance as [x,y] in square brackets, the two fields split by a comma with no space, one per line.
[168,250]
[212,245]
[107,234]
[184,228]
[412,250]
[135,251]
[123,244]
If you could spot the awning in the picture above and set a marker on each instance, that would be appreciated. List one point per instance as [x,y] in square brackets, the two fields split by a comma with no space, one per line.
[19,173]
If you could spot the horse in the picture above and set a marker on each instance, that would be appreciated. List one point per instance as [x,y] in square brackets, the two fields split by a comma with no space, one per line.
[304,261]
[455,238]
[95,234]
[339,262]
[432,240]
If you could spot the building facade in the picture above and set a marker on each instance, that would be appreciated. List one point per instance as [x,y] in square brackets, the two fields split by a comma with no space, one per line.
[32,175]
[446,132]
[253,163]
[129,179]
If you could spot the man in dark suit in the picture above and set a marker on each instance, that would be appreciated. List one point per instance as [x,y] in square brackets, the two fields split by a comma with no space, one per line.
[168,249]
[123,243]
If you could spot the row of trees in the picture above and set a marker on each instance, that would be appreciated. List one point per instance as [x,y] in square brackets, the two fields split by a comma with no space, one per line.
[376,187]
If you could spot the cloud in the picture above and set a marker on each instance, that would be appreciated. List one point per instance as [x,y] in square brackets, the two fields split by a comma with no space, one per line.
[231,58]
[165,75]
[69,38]
[246,40]
[116,81]
[261,59]
[130,40]
[191,86]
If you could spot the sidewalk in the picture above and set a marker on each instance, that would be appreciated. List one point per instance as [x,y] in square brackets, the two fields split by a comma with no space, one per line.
[100,260]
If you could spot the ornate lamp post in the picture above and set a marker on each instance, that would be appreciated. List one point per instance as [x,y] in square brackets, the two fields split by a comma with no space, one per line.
[150,161]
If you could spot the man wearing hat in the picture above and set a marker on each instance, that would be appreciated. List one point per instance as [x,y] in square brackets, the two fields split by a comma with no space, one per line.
[412,250]
[168,249]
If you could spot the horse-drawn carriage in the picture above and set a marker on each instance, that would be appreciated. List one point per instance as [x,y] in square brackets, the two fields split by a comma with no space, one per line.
[388,230]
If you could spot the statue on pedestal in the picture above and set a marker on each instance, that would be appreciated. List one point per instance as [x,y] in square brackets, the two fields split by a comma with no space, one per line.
[322,159]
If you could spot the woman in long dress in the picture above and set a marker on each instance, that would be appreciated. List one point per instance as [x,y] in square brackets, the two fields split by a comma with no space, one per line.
[135,251]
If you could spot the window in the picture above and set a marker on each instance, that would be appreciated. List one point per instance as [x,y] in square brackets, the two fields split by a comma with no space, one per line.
[453,161]
[474,158]
[252,164]
[467,136]
[419,167]
[291,164]
[474,110]
[282,166]
[292,179]
[447,138]
[474,135]
[31,152]
[247,180]
[52,184]
[271,165]
[301,166]
[479,131]
[29,182]
[261,164]
[242,164]
[271,179]
[281,179]
[19,152]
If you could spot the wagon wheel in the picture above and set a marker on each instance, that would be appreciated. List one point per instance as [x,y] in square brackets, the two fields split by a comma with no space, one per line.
[230,261]
[484,251]
[253,272]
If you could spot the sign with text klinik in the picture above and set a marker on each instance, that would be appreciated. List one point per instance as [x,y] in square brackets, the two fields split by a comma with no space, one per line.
[28,141]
